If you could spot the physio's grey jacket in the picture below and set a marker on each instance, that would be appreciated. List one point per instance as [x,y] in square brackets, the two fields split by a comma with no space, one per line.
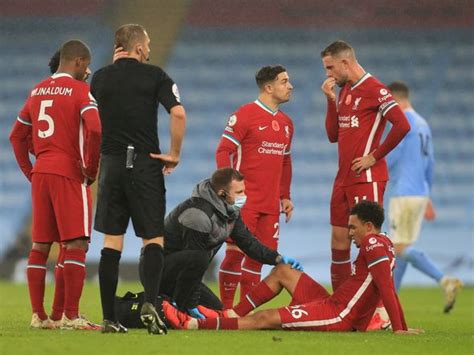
[204,221]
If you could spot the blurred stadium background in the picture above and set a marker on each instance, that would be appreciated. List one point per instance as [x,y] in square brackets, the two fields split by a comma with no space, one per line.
[212,50]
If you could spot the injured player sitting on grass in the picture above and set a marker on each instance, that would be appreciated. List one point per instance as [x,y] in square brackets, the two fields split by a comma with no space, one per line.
[350,308]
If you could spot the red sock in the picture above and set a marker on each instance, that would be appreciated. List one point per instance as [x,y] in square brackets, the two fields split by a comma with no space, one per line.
[36,273]
[74,275]
[251,271]
[58,302]
[229,276]
[260,294]
[340,267]
[218,323]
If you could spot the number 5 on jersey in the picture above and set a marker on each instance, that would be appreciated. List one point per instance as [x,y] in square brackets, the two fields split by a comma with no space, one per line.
[43,116]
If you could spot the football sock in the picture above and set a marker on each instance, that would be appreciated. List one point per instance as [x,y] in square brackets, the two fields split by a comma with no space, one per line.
[218,323]
[251,271]
[108,280]
[260,294]
[74,275]
[229,276]
[58,302]
[36,273]
[421,261]
[153,260]
[398,272]
[340,267]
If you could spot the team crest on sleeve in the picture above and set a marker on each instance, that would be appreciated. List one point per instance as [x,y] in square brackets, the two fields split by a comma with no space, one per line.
[175,90]
[373,240]
[383,91]
[275,126]
[232,120]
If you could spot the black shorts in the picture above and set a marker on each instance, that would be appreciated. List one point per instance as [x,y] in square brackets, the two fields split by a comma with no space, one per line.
[137,193]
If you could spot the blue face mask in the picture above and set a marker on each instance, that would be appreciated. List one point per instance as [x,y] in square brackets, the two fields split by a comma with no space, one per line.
[239,202]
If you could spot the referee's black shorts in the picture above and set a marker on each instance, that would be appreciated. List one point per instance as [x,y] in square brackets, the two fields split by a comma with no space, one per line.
[137,193]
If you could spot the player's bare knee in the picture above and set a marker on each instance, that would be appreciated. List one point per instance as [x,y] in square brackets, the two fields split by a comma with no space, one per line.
[42,247]
[264,320]
[78,243]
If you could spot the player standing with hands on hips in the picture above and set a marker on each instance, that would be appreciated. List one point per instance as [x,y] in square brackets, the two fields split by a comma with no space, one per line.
[257,142]
[60,118]
[356,119]
[131,183]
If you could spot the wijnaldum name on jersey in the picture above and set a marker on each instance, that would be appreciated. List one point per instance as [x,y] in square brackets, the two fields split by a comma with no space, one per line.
[52,90]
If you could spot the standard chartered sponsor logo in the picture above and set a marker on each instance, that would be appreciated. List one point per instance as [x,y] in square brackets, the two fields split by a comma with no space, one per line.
[272,148]
[348,121]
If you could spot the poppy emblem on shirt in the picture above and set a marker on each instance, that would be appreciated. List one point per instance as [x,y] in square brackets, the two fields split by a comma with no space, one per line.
[373,240]
[348,99]
[275,126]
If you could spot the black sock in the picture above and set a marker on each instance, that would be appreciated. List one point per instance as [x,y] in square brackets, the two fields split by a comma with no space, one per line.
[141,274]
[152,266]
[108,280]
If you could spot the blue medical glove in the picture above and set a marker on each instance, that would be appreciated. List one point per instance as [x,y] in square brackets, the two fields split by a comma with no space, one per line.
[295,264]
[194,312]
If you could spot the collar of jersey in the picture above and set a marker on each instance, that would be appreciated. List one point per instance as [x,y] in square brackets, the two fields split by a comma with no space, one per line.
[265,107]
[61,75]
[361,80]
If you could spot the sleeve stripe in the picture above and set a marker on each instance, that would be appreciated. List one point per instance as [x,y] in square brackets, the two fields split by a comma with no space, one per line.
[388,108]
[232,139]
[287,152]
[88,107]
[378,260]
[23,121]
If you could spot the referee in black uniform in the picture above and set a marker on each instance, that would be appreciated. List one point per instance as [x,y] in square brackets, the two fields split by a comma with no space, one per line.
[131,183]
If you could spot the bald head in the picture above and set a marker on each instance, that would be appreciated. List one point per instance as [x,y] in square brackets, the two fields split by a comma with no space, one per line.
[338,49]
[74,49]
[127,36]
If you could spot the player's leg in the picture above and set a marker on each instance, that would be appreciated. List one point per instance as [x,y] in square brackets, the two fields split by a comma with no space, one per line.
[229,273]
[73,209]
[340,242]
[59,293]
[145,190]
[111,218]
[268,233]
[44,233]
[410,211]
[281,277]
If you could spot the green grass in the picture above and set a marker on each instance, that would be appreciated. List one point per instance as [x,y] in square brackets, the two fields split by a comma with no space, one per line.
[445,334]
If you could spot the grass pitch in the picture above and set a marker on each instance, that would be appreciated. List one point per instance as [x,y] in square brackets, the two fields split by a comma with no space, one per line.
[445,334]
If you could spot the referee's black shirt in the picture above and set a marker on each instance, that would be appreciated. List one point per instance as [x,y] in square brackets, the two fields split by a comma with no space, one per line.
[128,93]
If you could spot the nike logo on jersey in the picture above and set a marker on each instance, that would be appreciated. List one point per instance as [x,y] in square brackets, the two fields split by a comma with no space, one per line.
[261,128]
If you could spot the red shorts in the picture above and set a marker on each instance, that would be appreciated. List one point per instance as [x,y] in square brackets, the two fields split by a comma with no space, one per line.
[265,227]
[62,208]
[343,198]
[311,309]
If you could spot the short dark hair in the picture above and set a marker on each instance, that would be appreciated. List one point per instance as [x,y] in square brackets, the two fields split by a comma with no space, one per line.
[268,73]
[400,88]
[222,178]
[73,49]
[336,48]
[54,62]
[128,35]
[369,211]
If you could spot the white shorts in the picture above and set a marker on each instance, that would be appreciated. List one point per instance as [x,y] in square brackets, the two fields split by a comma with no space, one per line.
[406,214]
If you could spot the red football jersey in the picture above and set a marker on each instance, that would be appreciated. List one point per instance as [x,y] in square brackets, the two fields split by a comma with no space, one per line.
[54,109]
[257,142]
[361,114]
[370,281]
